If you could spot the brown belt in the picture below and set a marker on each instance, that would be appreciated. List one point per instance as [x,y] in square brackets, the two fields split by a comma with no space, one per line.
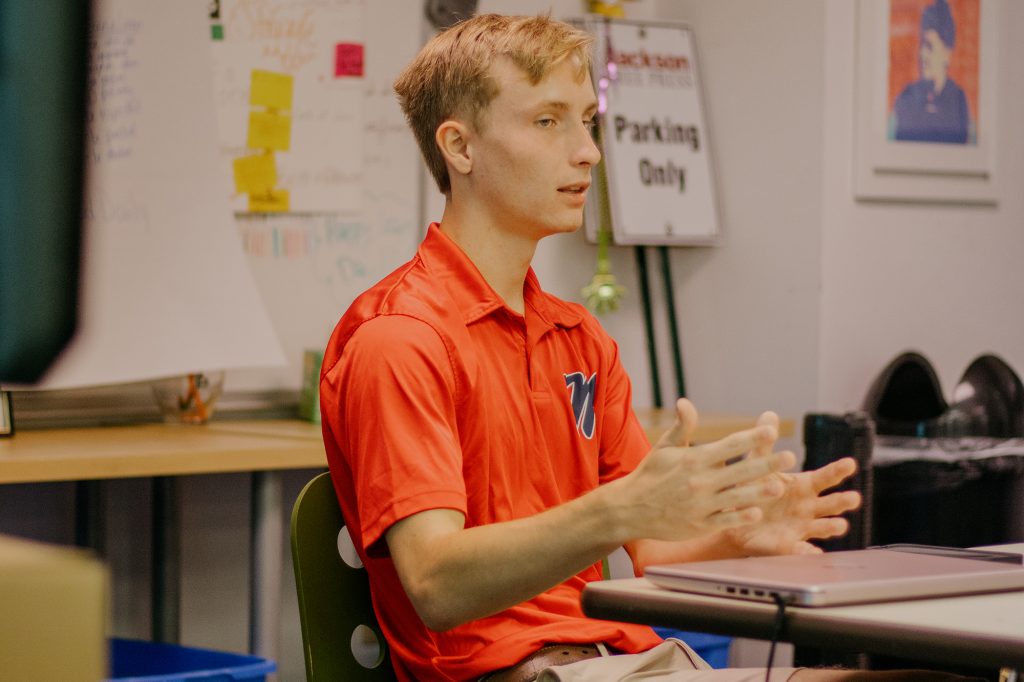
[527,669]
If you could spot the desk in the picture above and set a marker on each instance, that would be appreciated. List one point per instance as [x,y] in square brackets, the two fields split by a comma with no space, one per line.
[981,630]
[158,450]
[164,451]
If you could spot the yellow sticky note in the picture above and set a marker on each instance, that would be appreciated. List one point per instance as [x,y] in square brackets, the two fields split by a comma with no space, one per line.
[255,174]
[271,90]
[273,201]
[268,130]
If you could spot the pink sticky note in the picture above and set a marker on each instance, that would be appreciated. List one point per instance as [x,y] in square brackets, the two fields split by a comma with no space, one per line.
[348,60]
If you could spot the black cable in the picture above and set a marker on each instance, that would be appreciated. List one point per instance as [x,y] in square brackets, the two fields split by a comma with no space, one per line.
[780,622]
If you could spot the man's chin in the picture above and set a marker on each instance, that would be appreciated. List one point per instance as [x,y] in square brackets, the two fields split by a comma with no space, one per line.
[569,228]
[575,223]
[569,225]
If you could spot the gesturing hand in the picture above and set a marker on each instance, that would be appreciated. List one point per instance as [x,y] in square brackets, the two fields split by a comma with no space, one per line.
[802,512]
[682,492]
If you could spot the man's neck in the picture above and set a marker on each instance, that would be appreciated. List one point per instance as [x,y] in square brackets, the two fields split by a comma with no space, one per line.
[501,256]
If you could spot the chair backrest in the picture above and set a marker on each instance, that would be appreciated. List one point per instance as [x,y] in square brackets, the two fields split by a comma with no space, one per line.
[340,636]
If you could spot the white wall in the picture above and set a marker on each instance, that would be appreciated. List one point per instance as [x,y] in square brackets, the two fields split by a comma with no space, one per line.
[747,310]
[944,280]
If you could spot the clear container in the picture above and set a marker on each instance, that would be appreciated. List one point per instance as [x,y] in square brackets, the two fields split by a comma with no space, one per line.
[188,399]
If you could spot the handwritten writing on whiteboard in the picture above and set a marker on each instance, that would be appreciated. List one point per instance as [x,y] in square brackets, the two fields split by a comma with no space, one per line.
[321,168]
[113,82]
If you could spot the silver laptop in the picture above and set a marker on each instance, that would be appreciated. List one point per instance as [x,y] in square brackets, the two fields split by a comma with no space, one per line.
[843,577]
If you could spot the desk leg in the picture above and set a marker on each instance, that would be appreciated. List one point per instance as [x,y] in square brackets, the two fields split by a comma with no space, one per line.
[89,516]
[265,564]
[166,571]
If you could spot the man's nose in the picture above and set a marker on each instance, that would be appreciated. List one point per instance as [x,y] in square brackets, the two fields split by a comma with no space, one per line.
[587,151]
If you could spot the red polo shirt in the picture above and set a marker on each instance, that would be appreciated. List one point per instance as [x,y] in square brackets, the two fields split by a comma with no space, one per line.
[435,394]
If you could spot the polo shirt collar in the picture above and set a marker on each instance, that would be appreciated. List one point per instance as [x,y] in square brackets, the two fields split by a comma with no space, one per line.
[471,293]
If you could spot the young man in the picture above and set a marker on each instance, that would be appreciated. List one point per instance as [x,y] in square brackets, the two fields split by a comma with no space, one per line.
[480,432]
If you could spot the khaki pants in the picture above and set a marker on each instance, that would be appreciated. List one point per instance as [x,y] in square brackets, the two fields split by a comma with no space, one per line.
[670,661]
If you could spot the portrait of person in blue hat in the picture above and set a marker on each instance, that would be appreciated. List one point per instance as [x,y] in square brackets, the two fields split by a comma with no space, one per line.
[933,108]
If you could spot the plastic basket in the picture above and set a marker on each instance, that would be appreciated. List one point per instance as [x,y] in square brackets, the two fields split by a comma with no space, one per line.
[138,661]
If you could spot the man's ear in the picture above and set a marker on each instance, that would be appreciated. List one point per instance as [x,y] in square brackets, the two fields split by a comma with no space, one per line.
[452,138]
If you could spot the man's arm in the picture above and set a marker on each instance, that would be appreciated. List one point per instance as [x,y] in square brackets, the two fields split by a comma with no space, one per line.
[453,574]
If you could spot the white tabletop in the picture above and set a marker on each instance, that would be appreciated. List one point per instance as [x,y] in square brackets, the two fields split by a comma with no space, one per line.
[985,629]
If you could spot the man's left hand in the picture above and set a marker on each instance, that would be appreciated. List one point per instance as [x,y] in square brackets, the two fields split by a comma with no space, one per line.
[804,512]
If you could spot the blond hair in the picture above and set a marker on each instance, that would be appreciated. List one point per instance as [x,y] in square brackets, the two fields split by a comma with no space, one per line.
[450,76]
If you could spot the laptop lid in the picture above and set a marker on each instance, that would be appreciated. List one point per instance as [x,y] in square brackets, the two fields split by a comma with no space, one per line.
[834,578]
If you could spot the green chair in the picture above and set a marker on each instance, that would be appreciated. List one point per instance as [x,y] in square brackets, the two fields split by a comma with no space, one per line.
[340,636]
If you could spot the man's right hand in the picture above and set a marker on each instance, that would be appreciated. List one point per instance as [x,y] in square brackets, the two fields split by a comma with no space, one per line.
[682,491]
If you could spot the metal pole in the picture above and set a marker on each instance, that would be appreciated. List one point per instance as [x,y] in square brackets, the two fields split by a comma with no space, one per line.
[673,327]
[266,541]
[166,580]
[652,349]
[89,525]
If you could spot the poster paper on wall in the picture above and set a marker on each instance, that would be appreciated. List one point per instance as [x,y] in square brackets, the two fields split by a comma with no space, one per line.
[166,289]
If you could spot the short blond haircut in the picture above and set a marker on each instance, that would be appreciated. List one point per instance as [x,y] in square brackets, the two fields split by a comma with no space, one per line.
[450,77]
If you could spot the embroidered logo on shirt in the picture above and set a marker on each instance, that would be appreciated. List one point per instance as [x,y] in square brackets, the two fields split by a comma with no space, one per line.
[581,393]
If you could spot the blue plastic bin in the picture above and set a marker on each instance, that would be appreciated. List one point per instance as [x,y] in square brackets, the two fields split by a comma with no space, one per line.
[712,648]
[136,661]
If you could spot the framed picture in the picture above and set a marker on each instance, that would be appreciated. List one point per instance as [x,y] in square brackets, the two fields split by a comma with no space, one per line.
[926,101]
[6,420]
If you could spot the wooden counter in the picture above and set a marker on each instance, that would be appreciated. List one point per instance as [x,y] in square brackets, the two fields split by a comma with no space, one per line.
[149,450]
[218,447]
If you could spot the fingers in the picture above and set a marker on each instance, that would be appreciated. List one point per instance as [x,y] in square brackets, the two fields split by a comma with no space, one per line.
[837,503]
[736,492]
[731,518]
[832,474]
[749,470]
[750,494]
[681,433]
[737,444]
[821,529]
[766,419]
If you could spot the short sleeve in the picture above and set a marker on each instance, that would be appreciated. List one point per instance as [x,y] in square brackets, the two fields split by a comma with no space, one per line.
[623,440]
[397,423]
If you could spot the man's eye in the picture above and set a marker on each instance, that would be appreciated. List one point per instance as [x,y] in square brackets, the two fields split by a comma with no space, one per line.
[546,122]
[589,123]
